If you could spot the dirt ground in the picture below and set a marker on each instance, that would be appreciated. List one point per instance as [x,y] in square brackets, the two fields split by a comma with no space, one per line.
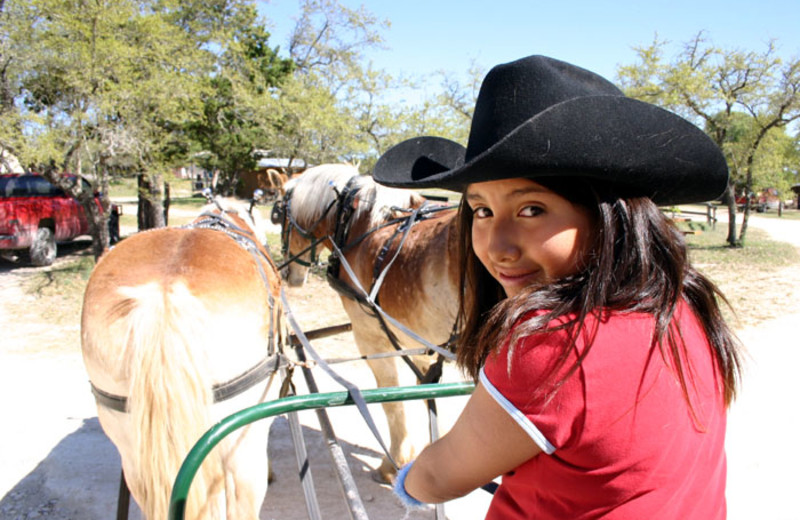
[56,463]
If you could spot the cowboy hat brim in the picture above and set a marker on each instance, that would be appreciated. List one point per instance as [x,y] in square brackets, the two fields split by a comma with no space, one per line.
[642,148]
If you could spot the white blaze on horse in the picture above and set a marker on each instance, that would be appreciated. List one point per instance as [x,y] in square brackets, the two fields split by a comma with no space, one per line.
[334,203]
[180,328]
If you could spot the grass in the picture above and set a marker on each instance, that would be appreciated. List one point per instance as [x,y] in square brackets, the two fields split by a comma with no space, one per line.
[127,187]
[760,252]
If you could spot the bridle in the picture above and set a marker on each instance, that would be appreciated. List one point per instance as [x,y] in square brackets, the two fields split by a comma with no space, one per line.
[282,214]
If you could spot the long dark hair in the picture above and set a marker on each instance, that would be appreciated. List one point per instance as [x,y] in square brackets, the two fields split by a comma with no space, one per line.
[637,262]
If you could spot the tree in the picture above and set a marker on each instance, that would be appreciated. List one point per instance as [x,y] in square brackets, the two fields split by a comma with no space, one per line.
[340,107]
[715,87]
[773,164]
[235,120]
[447,113]
[100,87]
[97,86]
[327,111]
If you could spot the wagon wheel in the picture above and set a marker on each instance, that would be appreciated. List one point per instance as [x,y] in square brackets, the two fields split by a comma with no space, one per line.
[43,249]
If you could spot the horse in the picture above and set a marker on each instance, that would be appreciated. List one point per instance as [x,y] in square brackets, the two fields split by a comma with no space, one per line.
[180,327]
[332,205]
[275,182]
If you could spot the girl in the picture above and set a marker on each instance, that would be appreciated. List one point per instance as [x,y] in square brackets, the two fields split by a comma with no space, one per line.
[603,365]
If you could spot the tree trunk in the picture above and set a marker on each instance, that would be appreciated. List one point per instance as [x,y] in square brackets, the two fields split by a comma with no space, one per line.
[150,211]
[167,200]
[745,219]
[98,225]
[96,217]
[731,196]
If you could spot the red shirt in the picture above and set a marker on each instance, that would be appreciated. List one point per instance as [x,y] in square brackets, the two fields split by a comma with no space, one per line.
[618,438]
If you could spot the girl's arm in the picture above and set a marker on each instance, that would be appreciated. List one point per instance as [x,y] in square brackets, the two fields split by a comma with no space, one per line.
[484,442]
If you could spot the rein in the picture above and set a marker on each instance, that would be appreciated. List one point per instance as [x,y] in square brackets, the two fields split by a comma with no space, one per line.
[275,360]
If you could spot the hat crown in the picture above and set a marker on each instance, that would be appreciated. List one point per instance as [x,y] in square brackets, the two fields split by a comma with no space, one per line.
[514,92]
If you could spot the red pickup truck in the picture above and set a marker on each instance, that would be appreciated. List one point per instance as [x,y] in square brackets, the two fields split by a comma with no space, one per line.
[35,215]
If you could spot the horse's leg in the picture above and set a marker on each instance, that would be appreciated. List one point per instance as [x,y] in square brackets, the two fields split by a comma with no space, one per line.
[246,453]
[406,420]
[247,472]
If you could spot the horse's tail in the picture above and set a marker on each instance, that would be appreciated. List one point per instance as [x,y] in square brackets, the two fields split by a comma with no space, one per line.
[171,396]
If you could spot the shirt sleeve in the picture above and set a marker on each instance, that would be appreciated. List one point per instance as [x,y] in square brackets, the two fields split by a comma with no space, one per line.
[529,384]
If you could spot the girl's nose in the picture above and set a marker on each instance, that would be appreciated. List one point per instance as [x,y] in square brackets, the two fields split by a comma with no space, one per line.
[503,244]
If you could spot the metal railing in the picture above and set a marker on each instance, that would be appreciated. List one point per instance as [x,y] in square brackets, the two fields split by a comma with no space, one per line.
[212,437]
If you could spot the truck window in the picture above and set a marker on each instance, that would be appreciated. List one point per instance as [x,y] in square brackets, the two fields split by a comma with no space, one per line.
[28,186]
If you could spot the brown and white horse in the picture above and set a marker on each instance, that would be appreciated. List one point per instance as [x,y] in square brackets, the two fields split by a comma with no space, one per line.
[180,328]
[332,203]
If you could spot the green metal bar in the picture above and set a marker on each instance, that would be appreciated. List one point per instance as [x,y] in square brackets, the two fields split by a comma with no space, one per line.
[212,437]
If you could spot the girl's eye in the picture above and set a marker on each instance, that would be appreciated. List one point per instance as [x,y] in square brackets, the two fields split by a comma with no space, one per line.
[531,211]
[481,212]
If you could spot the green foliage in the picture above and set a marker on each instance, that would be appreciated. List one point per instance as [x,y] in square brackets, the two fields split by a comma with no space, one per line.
[142,86]
[772,163]
[743,99]
[233,122]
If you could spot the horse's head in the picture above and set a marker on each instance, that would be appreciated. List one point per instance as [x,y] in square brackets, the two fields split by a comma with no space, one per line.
[321,206]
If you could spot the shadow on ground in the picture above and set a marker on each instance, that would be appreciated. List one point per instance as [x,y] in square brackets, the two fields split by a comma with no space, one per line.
[79,479]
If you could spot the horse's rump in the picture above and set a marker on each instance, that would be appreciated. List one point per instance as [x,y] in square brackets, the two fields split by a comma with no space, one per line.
[167,314]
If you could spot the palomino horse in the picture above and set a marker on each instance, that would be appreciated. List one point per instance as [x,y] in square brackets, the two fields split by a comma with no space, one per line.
[180,328]
[333,204]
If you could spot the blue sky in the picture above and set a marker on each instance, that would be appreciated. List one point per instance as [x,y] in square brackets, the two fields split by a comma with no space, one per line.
[430,35]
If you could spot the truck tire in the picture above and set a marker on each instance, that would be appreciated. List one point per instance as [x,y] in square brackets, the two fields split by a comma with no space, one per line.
[43,249]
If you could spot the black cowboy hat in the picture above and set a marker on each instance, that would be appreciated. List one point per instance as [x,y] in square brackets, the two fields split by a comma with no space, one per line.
[538,117]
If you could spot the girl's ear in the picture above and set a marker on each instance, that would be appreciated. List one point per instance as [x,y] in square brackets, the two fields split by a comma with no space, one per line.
[355,202]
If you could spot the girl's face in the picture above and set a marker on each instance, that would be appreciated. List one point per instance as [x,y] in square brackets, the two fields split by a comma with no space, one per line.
[524,233]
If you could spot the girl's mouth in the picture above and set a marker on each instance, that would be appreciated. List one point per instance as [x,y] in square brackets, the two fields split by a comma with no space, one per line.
[516,281]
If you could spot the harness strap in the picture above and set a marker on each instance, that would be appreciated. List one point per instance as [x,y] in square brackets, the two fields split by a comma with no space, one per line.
[347,291]
[436,348]
[222,391]
[353,391]
[373,295]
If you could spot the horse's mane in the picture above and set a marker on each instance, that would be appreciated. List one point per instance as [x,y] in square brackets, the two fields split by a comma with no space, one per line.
[313,192]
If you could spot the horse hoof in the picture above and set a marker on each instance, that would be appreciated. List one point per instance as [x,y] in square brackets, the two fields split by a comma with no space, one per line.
[378,476]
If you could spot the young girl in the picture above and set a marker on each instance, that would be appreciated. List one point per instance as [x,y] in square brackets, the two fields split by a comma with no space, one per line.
[603,365]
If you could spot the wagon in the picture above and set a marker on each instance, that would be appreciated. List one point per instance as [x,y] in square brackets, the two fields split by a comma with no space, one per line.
[294,404]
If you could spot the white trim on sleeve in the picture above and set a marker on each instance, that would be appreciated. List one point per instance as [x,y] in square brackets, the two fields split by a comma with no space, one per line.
[520,418]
